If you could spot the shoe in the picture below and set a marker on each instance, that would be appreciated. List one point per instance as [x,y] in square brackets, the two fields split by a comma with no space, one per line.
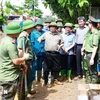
[83,76]
[69,80]
[58,82]
[78,77]
[33,91]
[47,85]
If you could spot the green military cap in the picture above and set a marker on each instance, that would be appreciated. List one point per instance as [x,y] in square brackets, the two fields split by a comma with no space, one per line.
[39,23]
[59,20]
[48,21]
[28,24]
[12,28]
[53,24]
[68,25]
[92,19]
[60,24]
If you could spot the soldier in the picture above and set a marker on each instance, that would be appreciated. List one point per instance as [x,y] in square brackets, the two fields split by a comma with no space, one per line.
[28,27]
[38,49]
[52,57]
[10,61]
[90,47]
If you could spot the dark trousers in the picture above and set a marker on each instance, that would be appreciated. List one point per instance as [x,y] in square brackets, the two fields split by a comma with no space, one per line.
[80,69]
[67,62]
[9,90]
[51,63]
[29,74]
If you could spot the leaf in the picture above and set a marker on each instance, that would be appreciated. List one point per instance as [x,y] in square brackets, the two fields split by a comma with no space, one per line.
[82,3]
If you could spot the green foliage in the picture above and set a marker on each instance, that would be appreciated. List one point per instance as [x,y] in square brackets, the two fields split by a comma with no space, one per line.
[33,7]
[69,10]
[2,20]
[28,7]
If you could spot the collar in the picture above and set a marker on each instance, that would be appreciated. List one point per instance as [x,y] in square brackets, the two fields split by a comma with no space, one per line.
[94,31]
[54,33]
[68,33]
[83,27]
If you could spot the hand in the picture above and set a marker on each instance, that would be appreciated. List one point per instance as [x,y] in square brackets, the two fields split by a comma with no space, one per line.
[82,51]
[66,50]
[38,40]
[91,61]
[26,56]
[60,46]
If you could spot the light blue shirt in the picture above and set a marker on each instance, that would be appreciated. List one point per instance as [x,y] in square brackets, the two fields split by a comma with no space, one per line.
[68,39]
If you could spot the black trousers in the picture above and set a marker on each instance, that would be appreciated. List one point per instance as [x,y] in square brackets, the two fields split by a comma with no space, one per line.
[51,63]
[80,70]
[66,62]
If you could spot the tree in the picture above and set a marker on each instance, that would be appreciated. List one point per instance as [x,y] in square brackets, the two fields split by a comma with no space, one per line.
[32,5]
[2,18]
[28,7]
[69,10]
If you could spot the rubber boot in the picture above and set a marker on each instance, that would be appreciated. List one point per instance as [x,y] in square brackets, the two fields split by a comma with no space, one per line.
[69,76]
[62,77]
[62,72]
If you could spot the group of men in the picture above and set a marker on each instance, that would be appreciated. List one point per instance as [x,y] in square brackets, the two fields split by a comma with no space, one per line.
[32,47]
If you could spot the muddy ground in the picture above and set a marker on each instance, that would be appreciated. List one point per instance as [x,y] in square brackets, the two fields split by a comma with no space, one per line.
[67,91]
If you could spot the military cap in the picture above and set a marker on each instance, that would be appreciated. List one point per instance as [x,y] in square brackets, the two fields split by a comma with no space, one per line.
[60,24]
[92,19]
[53,24]
[48,21]
[28,24]
[12,28]
[68,25]
[59,20]
[39,23]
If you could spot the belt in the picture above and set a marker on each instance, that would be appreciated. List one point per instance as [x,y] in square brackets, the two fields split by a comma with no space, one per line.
[79,44]
[88,52]
[53,52]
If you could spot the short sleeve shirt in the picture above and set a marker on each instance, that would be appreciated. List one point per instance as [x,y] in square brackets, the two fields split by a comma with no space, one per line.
[24,39]
[68,39]
[52,41]
[8,51]
[91,41]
